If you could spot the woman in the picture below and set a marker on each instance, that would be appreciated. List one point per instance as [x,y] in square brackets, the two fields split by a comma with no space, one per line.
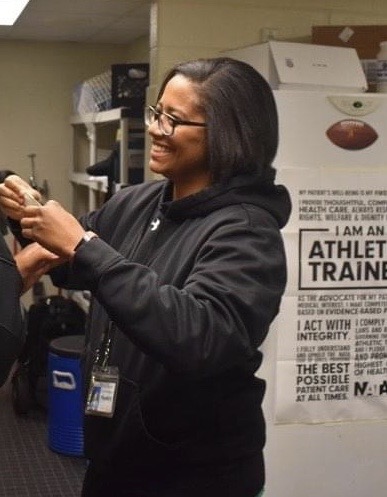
[187,274]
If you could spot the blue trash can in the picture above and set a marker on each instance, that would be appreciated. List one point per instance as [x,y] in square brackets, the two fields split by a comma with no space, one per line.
[65,395]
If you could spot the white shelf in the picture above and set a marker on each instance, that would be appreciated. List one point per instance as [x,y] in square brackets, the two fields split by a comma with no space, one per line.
[107,116]
[97,183]
[117,119]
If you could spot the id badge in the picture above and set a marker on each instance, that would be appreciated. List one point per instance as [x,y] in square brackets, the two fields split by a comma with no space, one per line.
[101,398]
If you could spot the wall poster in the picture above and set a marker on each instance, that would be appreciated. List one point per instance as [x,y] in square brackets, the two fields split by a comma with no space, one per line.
[332,327]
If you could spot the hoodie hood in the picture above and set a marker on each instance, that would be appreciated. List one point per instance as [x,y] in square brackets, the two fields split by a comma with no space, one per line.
[275,199]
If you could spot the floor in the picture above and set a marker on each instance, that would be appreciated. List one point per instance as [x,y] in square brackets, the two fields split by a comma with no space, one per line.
[28,468]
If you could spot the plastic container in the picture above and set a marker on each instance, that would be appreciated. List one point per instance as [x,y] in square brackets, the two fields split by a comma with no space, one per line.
[65,395]
[381,71]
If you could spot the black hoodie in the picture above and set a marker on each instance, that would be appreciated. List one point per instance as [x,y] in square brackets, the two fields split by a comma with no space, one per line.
[11,324]
[192,286]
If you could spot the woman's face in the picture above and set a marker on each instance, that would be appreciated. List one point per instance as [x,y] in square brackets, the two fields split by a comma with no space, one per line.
[182,156]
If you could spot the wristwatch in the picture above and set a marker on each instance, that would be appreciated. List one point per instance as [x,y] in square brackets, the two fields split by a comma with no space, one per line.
[87,236]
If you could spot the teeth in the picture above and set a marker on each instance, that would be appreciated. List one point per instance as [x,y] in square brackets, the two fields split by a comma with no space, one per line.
[160,148]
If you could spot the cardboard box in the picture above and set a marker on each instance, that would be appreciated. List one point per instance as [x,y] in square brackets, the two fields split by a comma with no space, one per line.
[364,39]
[304,66]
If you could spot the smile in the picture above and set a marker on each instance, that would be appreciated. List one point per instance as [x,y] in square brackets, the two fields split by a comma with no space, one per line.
[157,148]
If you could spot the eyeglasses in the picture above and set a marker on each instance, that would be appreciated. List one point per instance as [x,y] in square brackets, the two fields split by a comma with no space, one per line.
[166,122]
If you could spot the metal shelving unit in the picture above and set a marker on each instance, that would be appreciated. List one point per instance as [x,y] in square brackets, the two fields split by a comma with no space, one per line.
[89,130]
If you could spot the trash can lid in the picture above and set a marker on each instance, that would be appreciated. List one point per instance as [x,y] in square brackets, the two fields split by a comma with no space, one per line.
[68,346]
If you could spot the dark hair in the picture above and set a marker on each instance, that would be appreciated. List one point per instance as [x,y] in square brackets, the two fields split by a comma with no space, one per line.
[241,116]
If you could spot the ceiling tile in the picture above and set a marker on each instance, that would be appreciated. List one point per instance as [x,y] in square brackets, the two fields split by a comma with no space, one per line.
[94,21]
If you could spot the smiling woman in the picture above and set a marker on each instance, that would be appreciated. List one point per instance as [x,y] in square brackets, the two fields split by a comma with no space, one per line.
[186,274]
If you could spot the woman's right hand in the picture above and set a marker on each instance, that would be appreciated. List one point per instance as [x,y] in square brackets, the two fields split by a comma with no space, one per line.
[12,201]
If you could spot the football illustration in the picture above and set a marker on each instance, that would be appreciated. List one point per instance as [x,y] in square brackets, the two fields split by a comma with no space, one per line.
[352,134]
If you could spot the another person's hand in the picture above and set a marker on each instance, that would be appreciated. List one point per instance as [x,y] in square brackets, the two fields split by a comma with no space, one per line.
[33,262]
[12,199]
[52,227]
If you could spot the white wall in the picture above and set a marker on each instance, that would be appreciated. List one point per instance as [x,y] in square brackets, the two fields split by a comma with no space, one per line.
[181,29]
[36,85]
[36,101]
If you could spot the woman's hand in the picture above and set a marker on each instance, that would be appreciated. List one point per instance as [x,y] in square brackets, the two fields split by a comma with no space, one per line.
[33,262]
[52,227]
[12,201]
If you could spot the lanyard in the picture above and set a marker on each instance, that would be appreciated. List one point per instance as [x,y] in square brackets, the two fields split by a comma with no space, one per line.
[102,355]
[102,393]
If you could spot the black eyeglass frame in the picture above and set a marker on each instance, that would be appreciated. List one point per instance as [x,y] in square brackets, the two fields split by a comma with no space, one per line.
[174,120]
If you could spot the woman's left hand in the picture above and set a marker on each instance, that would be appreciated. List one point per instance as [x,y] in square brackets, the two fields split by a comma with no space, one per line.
[52,227]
